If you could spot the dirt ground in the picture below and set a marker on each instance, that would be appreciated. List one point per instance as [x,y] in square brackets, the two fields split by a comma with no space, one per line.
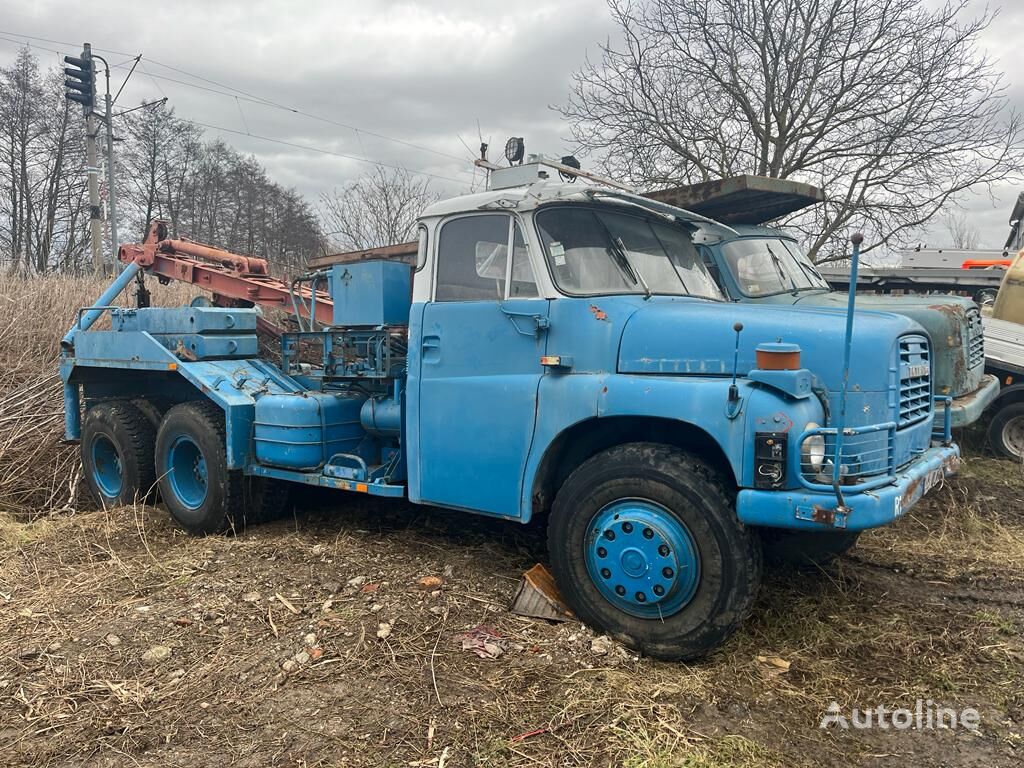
[312,642]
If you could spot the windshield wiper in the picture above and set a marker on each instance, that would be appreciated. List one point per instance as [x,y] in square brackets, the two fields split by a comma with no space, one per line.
[617,250]
[783,275]
[812,273]
[621,248]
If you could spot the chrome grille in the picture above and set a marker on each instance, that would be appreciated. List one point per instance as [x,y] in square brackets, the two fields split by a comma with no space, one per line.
[915,380]
[975,339]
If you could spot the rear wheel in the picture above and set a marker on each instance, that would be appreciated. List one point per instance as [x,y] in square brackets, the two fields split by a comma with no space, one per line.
[192,464]
[1006,431]
[153,408]
[201,493]
[266,499]
[117,453]
[645,546]
[806,547]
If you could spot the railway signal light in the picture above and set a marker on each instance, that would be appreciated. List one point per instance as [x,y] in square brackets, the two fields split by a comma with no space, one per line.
[80,84]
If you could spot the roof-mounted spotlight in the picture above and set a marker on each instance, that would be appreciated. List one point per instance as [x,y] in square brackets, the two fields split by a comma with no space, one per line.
[572,162]
[515,150]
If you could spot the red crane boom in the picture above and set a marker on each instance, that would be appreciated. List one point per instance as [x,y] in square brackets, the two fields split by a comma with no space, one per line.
[233,280]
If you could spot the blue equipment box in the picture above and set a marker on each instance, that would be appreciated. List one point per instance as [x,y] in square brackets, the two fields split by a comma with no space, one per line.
[179,320]
[371,293]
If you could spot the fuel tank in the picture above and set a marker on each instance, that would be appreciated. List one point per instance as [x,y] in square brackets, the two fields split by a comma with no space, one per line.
[303,431]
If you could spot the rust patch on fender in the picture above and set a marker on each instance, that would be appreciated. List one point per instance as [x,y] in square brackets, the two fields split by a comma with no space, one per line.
[953,310]
[598,313]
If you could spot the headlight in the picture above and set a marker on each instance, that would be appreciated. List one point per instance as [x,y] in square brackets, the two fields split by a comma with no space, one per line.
[812,451]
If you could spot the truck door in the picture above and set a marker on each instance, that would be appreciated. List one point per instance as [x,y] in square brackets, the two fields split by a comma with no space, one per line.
[482,340]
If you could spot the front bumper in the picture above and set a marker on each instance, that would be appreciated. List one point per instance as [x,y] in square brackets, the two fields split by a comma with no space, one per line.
[816,510]
[967,409]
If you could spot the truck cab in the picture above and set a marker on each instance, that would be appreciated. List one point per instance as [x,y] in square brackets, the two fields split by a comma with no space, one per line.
[556,351]
[759,264]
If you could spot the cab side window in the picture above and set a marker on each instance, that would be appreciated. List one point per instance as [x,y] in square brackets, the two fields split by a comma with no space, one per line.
[473,260]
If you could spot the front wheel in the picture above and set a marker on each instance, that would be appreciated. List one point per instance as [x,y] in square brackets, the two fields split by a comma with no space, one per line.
[1006,431]
[645,546]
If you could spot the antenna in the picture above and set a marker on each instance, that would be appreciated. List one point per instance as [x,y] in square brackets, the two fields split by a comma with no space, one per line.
[734,392]
[851,303]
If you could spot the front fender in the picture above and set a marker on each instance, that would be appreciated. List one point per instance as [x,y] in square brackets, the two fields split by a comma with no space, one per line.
[566,400]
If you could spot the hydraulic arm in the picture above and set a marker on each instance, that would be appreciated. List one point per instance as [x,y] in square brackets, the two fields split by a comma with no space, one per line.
[232,279]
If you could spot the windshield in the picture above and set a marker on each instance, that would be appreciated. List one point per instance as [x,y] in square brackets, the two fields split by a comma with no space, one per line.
[597,251]
[766,266]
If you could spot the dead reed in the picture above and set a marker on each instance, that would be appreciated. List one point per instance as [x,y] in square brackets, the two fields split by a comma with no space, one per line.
[39,472]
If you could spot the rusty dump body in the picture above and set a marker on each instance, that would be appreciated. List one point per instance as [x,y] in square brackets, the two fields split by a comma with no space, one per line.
[742,199]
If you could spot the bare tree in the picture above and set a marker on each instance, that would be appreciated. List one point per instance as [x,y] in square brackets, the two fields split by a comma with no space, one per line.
[42,207]
[962,233]
[379,208]
[888,105]
[210,192]
[206,189]
[152,137]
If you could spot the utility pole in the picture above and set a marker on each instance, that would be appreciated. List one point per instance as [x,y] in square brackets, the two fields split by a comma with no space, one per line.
[93,170]
[111,189]
[81,88]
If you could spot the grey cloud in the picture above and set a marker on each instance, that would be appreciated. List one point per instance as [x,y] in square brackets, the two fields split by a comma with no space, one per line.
[424,72]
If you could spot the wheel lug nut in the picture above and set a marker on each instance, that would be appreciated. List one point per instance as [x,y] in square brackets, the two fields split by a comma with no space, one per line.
[648,533]
[620,590]
[627,527]
[602,552]
[606,573]
[668,573]
[641,597]
[663,550]
[610,535]
[659,590]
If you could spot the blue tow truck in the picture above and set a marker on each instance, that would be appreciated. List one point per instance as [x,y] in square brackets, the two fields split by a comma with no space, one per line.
[557,350]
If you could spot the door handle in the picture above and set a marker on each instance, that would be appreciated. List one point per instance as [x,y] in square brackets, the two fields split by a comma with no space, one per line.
[431,346]
[540,322]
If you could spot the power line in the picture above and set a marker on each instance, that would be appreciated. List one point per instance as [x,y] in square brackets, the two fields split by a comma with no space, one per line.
[255,99]
[61,42]
[282,142]
[156,83]
[127,77]
[320,150]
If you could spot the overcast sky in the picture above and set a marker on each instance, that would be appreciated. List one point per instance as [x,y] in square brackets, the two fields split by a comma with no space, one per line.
[426,73]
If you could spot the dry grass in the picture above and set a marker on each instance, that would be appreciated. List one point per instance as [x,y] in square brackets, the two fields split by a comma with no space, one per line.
[968,531]
[38,471]
[871,630]
[932,608]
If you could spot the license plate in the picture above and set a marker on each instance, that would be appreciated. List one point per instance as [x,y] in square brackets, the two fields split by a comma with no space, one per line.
[932,479]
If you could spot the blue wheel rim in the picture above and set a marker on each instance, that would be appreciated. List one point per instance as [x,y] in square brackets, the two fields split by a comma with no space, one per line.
[187,472]
[642,558]
[106,467]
